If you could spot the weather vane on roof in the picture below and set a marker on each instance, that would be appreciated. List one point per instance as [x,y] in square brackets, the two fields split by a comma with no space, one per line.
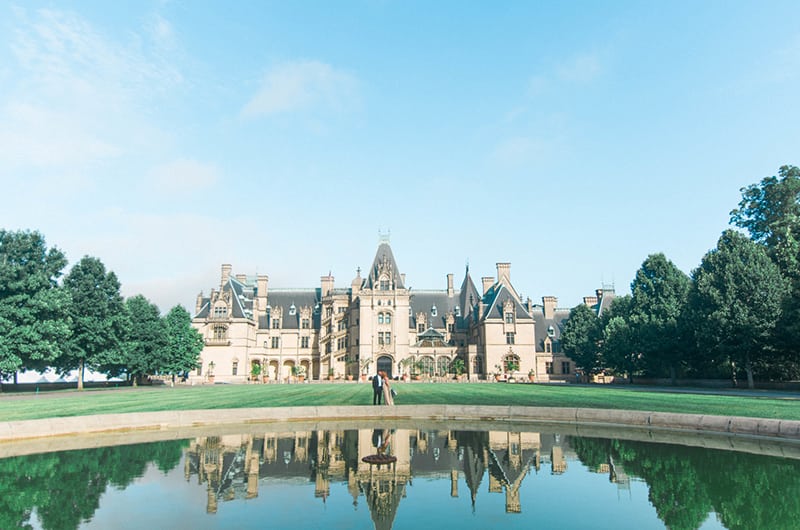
[383,237]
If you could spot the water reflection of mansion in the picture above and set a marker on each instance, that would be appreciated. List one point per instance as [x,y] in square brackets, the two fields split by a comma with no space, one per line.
[379,323]
[233,466]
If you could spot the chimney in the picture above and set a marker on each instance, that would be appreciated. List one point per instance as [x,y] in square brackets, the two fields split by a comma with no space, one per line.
[262,282]
[529,306]
[326,284]
[226,273]
[599,293]
[450,284]
[549,303]
[199,303]
[504,273]
[241,278]
[590,300]
[488,281]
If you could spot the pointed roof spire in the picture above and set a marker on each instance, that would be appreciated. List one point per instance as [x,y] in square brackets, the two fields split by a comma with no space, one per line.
[384,265]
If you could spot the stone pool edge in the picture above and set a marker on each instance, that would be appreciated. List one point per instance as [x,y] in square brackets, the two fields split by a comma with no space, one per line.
[153,421]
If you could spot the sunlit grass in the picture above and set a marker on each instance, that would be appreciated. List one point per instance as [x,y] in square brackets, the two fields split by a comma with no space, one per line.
[146,399]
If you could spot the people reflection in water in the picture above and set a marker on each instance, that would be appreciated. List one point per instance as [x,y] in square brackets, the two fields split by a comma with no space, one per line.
[381,439]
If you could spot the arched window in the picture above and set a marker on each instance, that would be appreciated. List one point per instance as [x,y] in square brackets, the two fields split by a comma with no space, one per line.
[388,318]
[426,366]
[380,318]
[442,363]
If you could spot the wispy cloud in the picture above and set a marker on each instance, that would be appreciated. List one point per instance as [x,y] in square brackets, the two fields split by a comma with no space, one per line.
[75,96]
[521,151]
[581,68]
[302,85]
[183,175]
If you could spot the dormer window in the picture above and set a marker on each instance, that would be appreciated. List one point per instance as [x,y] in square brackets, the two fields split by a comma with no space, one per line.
[383,284]
[434,312]
[551,331]
[458,311]
[292,310]
[509,318]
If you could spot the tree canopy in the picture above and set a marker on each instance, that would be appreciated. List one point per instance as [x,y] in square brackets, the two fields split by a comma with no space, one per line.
[98,316]
[34,321]
[736,302]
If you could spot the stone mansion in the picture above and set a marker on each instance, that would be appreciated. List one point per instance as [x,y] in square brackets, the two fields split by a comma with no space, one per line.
[378,323]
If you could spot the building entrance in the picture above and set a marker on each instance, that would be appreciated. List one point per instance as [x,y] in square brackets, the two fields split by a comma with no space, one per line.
[385,363]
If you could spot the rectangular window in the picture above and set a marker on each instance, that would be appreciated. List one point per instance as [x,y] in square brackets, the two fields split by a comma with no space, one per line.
[276,323]
[565,367]
[342,309]
[380,338]
[388,338]
[304,342]
[384,285]
[421,328]
[235,368]
[509,318]
[305,323]
[450,328]
[547,348]
[548,367]
[509,338]
[276,342]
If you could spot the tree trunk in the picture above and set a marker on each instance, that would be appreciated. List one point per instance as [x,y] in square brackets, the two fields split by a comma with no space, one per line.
[80,374]
[135,379]
[749,369]
[733,373]
[673,376]
[15,378]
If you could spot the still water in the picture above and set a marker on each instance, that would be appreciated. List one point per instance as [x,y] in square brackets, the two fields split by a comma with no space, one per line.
[452,479]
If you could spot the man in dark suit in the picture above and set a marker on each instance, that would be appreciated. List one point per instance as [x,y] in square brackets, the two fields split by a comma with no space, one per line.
[377,389]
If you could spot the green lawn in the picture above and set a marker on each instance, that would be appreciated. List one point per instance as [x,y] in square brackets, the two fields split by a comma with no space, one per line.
[143,399]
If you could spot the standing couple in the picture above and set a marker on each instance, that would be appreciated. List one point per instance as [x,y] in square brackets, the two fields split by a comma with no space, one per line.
[381,389]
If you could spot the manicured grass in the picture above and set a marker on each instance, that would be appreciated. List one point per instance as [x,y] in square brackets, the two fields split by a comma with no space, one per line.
[146,399]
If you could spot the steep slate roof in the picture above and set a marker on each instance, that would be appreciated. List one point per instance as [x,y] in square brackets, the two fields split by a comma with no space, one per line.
[242,300]
[425,301]
[467,298]
[383,255]
[541,325]
[285,298]
[495,297]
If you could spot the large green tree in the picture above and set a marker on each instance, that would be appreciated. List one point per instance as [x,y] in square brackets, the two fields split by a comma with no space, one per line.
[620,350]
[580,339]
[33,319]
[735,301]
[183,342]
[658,293]
[98,317]
[146,338]
[770,212]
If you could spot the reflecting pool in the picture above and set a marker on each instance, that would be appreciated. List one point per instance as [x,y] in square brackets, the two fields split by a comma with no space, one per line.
[431,477]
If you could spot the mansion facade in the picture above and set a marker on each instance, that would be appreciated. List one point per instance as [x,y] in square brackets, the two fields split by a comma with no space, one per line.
[378,323]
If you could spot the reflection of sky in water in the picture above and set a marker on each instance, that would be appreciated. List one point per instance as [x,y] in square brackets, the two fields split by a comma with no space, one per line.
[580,494]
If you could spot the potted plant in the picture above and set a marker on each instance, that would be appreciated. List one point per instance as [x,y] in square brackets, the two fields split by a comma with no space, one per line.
[405,365]
[255,371]
[330,374]
[457,367]
[211,366]
[365,368]
[531,375]
[299,371]
[498,372]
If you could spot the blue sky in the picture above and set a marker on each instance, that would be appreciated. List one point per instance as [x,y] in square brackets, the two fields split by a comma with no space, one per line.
[571,139]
